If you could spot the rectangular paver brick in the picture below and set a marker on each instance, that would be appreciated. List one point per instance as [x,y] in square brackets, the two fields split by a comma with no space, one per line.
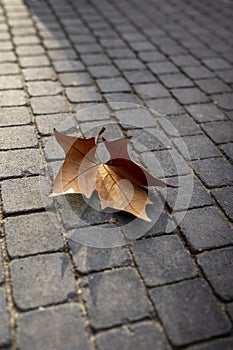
[17,137]
[152,90]
[49,104]
[10,82]
[224,197]
[44,88]
[113,85]
[220,132]
[10,98]
[14,116]
[5,331]
[189,95]
[205,113]
[189,312]
[83,94]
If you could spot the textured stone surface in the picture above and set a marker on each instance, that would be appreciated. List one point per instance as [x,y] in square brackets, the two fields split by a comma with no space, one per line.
[14,116]
[205,228]
[224,197]
[175,303]
[17,137]
[47,105]
[145,335]
[205,112]
[5,331]
[42,280]
[108,305]
[60,327]
[163,260]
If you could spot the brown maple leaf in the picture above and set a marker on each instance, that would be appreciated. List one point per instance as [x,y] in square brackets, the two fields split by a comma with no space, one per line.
[118,182]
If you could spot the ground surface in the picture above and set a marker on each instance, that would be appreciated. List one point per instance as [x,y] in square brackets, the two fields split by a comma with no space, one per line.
[162,287]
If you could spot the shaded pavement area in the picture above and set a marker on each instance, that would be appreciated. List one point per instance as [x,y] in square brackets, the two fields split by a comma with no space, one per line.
[72,276]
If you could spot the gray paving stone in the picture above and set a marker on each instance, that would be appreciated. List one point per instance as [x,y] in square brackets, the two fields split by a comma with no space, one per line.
[5,331]
[2,269]
[189,312]
[214,172]
[26,40]
[216,63]
[108,71]
[95,59]
[21,194]
[217,267]
[218,344]
[14,116]
[230,309]
[198,72]
[129,64]
[146,335]
[10,98]
[205,228]
[113,85]
[7,56]
[30,50]
[9,68]
[60,55]
[175,80]
[164,106]
[228,150]
[184,60]
[205,113]
[180,125]
[152,90]
[49,104]
[119,101]
[8,82]
[108,305]
[226,75]
[62,121]
[32,234]
[162,67]
[100,112]
[212,86]
[182,198]
[165,163]
[17,137]
[151,56]
[220,132]
[149,139]
[75,79]
[89,259]
[83,94]
[199,147]
[135,118]
[51,149]
[34,61]
[44,88]
[139,76]
[189,95]
[88,48]
[224,197]
[45,329]
[57,44]
[20,163]
[40,73]
[68,66]
[225,101]
[120,53]
[42,280]
[163,260]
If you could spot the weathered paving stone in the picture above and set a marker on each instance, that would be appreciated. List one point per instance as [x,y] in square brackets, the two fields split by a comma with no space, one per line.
[205,113]
[113,85]
[7,56]
[152,90]
[189,95]
[2,272]
[95,60]
[108,71]
[163,260]
[14,116]
[129,64]
[17,137]
[89,259]
[8,68]
[151,56]
[175,80]
[180,125]
[225,101]
[139,76]
[108,305]
[52,150]
[186,197]
[118,101]
[198,147]
[219,132]
[228,150]
[60,55]
[198,72]
[30,50]
[216,63]
[205,228]
[68,66]
[83,94]
[21,194]
[214,172]
[218,344]
[34,61]
[42,280]
[5,332]
[32,234]
[62,121]
[230,309]
[40,73]
[75,79]
[44,88]
[224,197]
[212,86]
[162,67]
[10,98]
[145,335]
[49,104]
[134,118]
[10,82]
[164,106]
[217,267]
[60,327]
[95,112]
[165,163]
[189,312]
[226,75]
[20,163]
[149,139]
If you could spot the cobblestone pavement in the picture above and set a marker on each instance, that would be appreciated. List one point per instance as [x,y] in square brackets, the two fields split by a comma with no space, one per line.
[170,288]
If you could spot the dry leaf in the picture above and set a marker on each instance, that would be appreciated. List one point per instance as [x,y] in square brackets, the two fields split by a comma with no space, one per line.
[118,182]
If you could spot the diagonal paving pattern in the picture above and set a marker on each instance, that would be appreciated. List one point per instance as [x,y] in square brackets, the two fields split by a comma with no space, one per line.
[149,287]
